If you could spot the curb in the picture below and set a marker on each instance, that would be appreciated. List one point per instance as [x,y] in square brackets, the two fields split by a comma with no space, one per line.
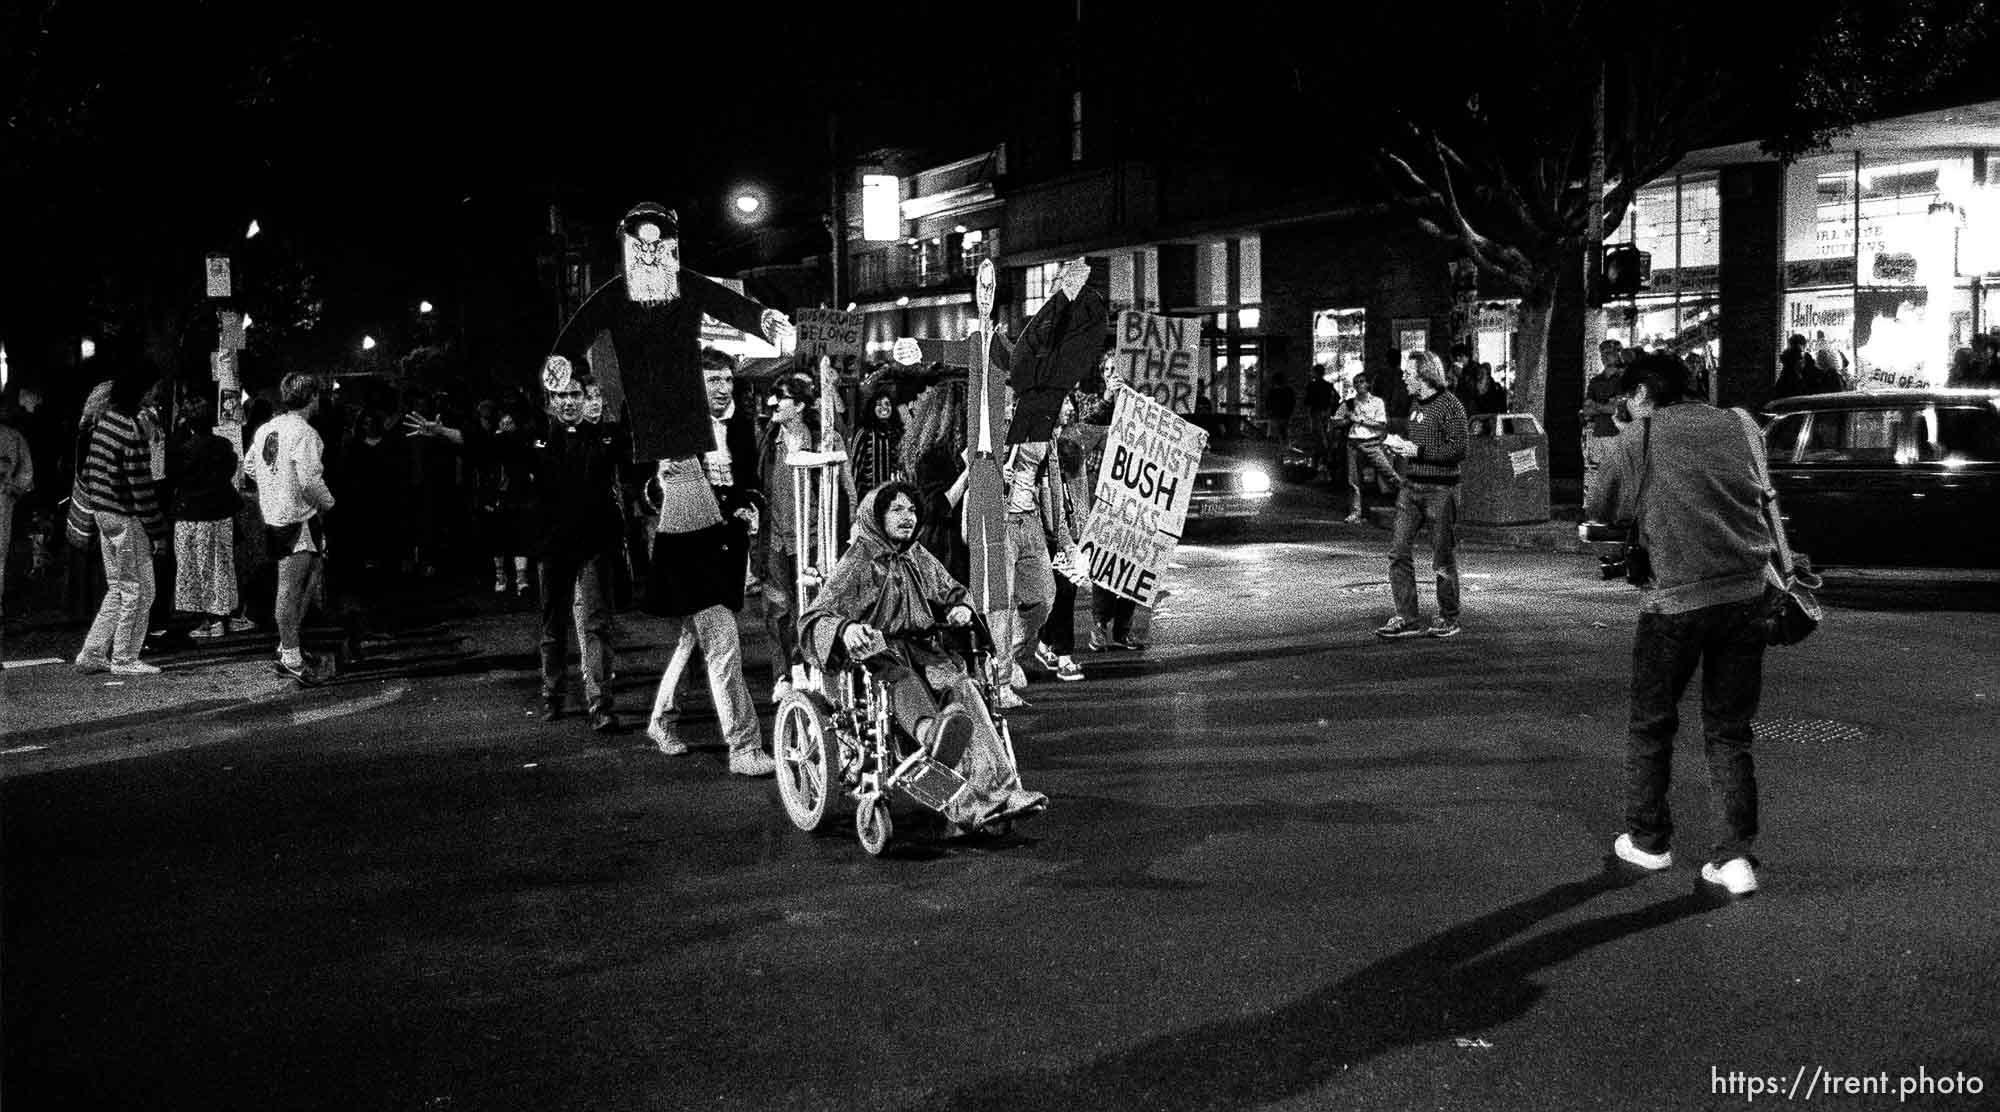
[217,714]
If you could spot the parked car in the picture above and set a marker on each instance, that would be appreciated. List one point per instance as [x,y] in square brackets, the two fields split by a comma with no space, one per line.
[1898,478]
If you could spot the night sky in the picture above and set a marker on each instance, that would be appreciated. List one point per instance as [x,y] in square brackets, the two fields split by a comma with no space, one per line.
[397,149]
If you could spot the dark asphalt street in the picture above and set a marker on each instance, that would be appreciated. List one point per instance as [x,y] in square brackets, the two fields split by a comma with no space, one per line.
[1285,866]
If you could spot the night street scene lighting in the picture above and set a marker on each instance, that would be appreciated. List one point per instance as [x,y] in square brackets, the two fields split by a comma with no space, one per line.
[1076,555]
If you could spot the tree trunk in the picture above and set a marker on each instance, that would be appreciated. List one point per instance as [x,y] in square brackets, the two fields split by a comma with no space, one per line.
[1529,393]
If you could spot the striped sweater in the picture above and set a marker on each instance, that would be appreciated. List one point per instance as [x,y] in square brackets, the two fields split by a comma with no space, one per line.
[117,473]
[1438,429]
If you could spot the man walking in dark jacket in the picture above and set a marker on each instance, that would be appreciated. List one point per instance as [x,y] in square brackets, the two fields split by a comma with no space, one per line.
[1701,521]
[1434,447]
[580,523]
[698,578]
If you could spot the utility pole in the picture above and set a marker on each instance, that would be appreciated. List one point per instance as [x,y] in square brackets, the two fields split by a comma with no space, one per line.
[836,218]
[1593,256]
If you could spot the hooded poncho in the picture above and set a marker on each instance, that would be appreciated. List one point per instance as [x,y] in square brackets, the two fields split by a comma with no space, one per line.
[897,589]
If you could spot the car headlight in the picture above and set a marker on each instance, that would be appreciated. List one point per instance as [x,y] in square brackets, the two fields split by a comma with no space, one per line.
[1256,482]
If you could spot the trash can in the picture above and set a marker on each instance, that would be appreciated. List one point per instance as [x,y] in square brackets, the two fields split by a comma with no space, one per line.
[1505,477]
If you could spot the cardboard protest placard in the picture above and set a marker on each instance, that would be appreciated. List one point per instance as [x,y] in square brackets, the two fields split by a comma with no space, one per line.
[1161,358]
[833,333]
[1141,500]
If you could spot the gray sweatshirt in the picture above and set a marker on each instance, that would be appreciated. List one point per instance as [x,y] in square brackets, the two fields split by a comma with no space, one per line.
[1704,517]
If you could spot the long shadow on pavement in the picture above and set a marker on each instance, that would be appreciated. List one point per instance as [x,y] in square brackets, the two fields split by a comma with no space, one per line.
[1439,988]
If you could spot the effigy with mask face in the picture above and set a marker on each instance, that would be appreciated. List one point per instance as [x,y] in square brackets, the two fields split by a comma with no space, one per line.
[638,337]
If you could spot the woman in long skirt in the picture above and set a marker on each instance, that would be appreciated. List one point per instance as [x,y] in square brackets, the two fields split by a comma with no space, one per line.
[205,504]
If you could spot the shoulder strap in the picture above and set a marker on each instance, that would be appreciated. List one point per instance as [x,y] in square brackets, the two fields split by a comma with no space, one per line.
[1645,477]
[1781,548]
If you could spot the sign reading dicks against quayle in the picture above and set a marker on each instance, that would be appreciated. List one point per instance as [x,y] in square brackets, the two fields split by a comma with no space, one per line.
[1161,357]
[832,333]
[1141,500]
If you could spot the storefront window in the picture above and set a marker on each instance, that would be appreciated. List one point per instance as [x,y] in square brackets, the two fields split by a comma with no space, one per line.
[1679,223]
[1912,309]
[1496,325]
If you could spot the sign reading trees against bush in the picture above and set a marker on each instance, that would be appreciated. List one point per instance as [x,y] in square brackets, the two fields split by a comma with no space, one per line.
[1141,500]
[1161,358]
[833,333]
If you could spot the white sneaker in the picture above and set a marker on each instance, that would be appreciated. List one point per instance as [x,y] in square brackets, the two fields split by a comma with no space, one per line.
[136,668]
[780,689]
[1008,699]
[213,629]
[1068,670]
[1046,658]
[1652,862]
[1735,874]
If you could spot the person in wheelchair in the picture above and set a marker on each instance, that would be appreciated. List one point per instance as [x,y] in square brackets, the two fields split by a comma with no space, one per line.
[881,609]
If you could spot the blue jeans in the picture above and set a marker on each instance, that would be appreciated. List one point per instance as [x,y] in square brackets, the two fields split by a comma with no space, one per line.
[1417,502]
[574,595]
[1727,640]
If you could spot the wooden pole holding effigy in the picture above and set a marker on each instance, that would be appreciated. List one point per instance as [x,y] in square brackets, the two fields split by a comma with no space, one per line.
[985,488]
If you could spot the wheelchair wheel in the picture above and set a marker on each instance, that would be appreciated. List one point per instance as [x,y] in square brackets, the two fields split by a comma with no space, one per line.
[808,758]
[872,825]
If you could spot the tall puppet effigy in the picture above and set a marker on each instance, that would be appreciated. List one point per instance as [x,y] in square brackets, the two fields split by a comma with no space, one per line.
[638,337]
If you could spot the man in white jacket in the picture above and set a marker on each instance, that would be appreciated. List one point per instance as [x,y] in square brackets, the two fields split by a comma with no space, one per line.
[284,462]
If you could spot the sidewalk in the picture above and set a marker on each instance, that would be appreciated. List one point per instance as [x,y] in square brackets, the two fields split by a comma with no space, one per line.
[43,699]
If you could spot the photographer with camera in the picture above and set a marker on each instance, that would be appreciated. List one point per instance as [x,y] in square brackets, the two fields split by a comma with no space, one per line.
[1683,479]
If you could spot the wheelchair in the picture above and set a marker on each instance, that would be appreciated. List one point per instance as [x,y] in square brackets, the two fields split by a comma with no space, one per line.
[834,737]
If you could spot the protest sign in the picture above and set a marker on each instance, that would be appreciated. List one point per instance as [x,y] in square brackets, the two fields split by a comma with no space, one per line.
[1141,499]
[1161,358]
[833,333]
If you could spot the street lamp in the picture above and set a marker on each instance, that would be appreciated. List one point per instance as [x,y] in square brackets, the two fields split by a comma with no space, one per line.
[748,204]
[367,343]
[252,233]
[424,307]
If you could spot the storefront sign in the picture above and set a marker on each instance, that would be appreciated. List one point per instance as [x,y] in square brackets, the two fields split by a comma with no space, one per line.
[1412,334]
[1161,358]
[833,333]
[1141,500]
[218,276]
[1802,273]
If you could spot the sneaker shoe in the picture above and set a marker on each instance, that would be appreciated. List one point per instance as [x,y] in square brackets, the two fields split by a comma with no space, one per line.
[1351,519]
[303,671]
[133,668]
[1045,658]
[1400,626]
[1101,640]
[213,629]
[552,708]
[754,763]
[603,722]
[239,625]
[92,665]
[1068,670]
[1009,700]
[1442,627]
[500,585]
[671,746]
[1735,874]
[779,690]
[1651,862]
